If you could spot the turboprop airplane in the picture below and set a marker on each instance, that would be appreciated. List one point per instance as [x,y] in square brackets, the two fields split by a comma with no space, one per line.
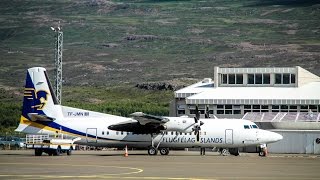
[42,114]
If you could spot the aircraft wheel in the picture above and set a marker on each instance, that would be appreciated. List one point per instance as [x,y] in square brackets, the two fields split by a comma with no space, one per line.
[164,151]
[234,151]
[225,152]
[152,151]
[262,153]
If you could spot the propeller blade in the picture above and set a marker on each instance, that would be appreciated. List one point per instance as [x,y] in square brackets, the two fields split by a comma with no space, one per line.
[198,136]
[207,112]
[197,113]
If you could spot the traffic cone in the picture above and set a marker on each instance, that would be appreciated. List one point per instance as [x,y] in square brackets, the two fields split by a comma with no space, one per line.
[126,152]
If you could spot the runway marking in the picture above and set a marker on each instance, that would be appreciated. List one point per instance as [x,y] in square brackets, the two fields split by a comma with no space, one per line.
[102,177]
[135,171]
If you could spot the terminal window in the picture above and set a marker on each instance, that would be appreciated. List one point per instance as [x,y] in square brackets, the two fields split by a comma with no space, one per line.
[181,111]
[285,78]
[259,78]
[231,78]
[228,109]
[256,108]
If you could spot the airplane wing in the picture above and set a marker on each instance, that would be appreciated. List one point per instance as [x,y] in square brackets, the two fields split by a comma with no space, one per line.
[147,118]
[38,117]
[141,123]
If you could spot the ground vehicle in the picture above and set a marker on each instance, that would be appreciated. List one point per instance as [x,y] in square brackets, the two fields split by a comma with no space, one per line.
[11,142]
[52,146]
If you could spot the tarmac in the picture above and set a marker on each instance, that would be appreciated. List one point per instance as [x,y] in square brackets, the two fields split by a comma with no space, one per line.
[178,165]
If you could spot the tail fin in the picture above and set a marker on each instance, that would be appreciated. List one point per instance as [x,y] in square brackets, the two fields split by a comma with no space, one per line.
[39,100]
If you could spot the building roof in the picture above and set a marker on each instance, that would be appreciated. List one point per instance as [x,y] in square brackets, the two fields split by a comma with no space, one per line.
[196,88]
[306,94]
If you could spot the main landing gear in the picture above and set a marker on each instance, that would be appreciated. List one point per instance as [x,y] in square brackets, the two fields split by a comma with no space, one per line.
[153,150]
[230,151]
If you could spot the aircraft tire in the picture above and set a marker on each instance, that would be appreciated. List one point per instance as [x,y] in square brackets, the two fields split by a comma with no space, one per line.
[225,152]
[262,154]
[152,151]
[164,151]
[234,151]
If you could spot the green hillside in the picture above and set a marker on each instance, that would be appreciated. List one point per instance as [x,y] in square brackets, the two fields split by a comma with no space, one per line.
[120,43]
[116,42]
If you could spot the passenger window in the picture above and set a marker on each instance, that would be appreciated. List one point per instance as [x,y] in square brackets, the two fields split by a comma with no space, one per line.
[117,133]
[171,132]
[102,132]
[107,132]
[255,126]
[121,132]
[246,127]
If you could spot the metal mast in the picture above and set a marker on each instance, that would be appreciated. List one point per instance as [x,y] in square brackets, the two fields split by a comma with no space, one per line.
[58,62]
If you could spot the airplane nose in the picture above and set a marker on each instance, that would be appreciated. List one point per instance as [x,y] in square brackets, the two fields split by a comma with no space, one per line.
[274,137]
[279,137]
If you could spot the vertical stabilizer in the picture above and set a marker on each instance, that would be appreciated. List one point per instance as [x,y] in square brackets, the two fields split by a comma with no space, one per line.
[39,101]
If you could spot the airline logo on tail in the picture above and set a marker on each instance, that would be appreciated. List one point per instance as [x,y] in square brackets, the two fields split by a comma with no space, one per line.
[39,98]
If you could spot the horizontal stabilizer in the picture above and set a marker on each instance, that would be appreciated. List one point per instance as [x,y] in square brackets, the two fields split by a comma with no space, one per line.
[38,117]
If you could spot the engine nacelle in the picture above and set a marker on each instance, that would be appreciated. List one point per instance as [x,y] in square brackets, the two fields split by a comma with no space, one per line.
[180,124]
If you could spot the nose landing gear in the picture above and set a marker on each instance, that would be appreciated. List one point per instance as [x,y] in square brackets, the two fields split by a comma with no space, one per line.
[263,151]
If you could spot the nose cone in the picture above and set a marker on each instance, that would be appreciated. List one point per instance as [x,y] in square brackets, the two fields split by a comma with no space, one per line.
[277,136]
[274,137]
[269,137]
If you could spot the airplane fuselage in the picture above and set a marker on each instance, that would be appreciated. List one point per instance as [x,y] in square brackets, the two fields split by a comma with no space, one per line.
[92,127]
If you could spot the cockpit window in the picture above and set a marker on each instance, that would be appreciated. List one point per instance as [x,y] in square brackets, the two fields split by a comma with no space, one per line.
[246,127]
[255,126]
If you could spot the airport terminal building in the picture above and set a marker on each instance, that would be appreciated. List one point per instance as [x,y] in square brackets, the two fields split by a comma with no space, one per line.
[286,99]
[235,91]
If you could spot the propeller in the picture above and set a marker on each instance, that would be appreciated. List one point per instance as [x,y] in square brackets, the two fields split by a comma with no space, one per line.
[206,115]
[197,127]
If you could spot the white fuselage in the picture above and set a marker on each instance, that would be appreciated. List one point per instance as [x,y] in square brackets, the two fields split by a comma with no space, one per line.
[92,128]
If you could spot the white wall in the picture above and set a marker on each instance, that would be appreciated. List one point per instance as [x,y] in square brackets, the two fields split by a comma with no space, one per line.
[301,142]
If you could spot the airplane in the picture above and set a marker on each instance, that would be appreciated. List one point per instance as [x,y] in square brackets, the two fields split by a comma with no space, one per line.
[41,114]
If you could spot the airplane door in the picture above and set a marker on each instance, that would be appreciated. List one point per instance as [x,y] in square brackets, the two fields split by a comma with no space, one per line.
[229,136]
[91,135]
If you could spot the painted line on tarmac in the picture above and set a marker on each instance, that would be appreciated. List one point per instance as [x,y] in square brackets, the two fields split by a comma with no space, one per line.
[134,171]
[101,177]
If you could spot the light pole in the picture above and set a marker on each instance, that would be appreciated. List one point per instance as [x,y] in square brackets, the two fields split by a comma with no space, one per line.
[58,62]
